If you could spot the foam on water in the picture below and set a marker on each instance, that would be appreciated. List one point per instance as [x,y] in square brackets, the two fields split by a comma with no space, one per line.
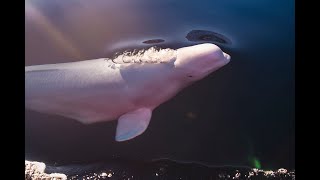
[151,55]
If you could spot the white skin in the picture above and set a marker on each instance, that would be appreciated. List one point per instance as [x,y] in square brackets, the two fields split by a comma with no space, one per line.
[91,91]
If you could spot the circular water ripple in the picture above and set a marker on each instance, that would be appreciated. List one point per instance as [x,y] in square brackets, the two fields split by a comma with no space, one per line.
[153,41]
[207,36]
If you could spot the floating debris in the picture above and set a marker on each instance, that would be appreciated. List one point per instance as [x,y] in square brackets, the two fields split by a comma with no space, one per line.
[191,115]
[163,169]
[35,171]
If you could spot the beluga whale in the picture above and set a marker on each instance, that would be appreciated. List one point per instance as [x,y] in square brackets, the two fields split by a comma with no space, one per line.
[126,88]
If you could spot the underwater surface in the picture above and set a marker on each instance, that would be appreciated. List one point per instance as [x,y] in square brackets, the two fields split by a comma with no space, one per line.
[241,115]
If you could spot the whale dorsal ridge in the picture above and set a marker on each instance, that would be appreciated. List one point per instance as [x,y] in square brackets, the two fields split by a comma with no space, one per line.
[133,124]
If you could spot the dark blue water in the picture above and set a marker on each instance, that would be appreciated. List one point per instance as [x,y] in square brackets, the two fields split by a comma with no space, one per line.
[241,115]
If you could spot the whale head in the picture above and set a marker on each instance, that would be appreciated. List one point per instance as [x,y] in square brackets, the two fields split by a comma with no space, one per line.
[196,62]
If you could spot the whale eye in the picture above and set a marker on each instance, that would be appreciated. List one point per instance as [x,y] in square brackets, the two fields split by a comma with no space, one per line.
[190,76]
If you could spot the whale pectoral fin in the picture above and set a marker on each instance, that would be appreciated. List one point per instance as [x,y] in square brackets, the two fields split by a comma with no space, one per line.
[132,124]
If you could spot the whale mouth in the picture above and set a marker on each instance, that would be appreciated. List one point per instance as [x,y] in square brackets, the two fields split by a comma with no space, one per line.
[151,55]
[227,56]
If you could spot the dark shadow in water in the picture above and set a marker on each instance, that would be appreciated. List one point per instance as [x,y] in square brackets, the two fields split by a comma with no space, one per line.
[153,41]
[207,36]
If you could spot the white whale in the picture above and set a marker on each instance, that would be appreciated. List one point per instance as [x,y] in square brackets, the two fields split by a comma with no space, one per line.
[127,88]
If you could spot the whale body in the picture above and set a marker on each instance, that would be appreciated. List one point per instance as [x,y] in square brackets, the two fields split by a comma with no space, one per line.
[127,88]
